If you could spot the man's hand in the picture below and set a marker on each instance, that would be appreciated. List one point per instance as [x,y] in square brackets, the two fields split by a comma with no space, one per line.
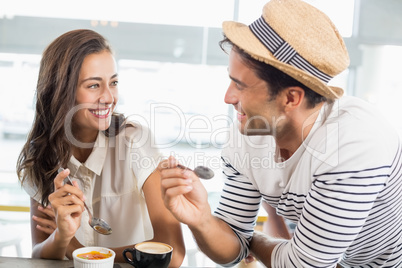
[183,193]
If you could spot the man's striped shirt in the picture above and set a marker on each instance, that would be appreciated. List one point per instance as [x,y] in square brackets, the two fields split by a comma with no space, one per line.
[342,188]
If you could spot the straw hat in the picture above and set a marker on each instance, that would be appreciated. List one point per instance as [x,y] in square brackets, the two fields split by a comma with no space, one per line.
[297,39]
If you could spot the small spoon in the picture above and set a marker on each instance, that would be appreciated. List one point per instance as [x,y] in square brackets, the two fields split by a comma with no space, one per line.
[98,225]
[201,171]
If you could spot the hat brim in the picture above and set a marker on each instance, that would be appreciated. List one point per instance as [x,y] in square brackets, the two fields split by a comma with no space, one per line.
[241,35]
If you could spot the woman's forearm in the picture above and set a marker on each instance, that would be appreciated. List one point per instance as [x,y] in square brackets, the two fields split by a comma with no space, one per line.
[52,248]
[275,226]
[174,238]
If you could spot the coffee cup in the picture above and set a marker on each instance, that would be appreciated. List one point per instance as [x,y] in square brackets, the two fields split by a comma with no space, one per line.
[149,255]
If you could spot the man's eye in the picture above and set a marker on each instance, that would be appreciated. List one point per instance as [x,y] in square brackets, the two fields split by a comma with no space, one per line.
[238,86]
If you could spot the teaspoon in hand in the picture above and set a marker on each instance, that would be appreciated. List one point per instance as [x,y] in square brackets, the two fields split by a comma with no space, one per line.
[201,171]
[98,225]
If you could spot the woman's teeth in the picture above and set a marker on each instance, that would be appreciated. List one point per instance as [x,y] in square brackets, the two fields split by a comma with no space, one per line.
[100,112]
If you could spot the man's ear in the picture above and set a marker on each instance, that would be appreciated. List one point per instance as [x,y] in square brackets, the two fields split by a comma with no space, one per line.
[294,97]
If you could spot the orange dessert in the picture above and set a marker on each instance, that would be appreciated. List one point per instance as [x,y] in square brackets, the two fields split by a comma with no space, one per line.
[94,255]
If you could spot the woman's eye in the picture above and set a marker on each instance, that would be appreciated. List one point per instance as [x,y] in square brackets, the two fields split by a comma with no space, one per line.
[114,83]
[94,86]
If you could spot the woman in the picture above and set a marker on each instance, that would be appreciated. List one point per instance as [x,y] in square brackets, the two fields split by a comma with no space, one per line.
[110,159]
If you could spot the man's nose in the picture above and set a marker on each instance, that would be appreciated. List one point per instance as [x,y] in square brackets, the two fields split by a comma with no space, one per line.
[231,94]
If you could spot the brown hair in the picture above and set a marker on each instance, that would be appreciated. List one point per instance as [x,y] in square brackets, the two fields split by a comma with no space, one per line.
[276,79]
[47,147]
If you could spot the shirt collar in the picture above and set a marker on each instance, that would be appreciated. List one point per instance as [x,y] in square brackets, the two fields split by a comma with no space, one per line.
[96,159]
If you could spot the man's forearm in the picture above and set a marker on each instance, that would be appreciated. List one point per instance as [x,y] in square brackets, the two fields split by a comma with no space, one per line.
[217,240]
[261,247]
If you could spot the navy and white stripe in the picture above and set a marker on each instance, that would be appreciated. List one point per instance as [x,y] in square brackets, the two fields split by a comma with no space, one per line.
[283,51]
[238,206]
[357,208]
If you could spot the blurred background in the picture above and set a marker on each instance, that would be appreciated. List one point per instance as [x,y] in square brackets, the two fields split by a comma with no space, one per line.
[172,76]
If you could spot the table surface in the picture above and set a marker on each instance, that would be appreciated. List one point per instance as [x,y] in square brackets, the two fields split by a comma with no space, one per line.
[14,262]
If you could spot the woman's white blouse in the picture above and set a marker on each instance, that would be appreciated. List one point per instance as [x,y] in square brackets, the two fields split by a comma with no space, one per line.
[112,179]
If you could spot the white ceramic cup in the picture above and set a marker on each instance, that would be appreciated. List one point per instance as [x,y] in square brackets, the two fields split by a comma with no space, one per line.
[84,263]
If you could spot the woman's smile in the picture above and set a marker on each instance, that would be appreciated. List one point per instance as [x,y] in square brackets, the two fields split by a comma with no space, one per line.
[101,113]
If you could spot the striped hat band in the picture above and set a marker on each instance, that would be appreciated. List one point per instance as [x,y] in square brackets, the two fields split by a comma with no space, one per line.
[282,51]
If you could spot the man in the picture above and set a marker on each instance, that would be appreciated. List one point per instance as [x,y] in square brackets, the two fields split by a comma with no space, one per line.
[334,164]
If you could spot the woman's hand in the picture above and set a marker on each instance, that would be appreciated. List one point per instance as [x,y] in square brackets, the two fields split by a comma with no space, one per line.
[46,224]
[68,204]
[183,193]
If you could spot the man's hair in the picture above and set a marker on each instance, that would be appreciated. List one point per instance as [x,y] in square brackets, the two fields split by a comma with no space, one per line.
[276,79]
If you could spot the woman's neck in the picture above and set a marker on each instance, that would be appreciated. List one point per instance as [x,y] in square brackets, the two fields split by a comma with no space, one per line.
[82,154]
[83,148]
